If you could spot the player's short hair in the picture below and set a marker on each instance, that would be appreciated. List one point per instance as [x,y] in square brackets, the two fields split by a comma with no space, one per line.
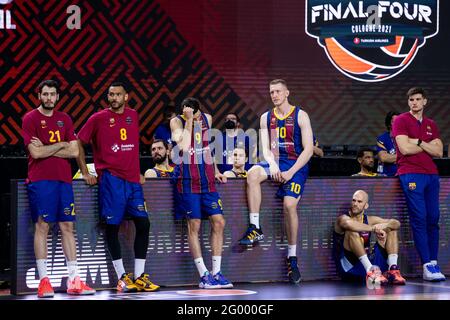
[164,142]
[361,151]
[236,115]
[119,84]
[49,83]
[277,81]
[191,103]
[416,90]
[388,119]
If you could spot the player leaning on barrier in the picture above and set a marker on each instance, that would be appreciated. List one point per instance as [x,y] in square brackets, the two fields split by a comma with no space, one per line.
[50,141]
[287,142]
[114,135]
[417,141]
[196,194]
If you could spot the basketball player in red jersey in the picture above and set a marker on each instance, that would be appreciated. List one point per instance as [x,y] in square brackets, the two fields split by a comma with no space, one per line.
[50,140]
[114,135]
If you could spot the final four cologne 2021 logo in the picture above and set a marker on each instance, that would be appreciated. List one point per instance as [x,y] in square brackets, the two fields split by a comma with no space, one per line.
[371,40]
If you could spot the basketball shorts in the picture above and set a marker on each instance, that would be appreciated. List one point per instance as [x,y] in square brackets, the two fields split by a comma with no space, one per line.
[52,200]
[197,205]
[356,271]
[294,187]
[119,198]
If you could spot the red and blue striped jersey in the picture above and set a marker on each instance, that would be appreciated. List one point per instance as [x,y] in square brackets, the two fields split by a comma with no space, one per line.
[196,173]
[338,240]
[285,134]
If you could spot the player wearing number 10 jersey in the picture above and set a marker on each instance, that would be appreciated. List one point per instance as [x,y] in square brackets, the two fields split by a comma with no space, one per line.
[114,135]
[287,143]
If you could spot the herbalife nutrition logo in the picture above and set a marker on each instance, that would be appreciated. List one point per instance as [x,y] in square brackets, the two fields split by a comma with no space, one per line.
[371,40]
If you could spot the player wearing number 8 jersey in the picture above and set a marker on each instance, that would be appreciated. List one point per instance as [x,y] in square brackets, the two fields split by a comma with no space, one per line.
[50,141]
[114,135]
[287,142]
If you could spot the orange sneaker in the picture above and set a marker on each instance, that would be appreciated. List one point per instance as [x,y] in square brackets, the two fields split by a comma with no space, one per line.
[393,275]
[78,287]
[45,289]
[374,278]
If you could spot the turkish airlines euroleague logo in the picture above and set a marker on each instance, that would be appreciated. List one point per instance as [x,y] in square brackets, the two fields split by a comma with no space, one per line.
[371,40]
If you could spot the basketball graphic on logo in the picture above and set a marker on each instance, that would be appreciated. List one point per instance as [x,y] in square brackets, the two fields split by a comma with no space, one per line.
[370,63]
[370,40]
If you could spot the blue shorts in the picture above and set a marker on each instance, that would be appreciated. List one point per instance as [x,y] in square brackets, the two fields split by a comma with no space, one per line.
[197,205]
[52,200]
[294,187]
[348,271]
[119,198]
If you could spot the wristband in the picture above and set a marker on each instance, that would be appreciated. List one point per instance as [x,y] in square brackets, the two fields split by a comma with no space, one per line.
[419,142]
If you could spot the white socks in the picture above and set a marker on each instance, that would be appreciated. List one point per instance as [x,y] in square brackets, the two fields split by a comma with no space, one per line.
[200,266]
[254,219]
[292,250]
[73,269]
[139,267]
[366,262]
[118,266]
[216,261]
[392,260]
[42,268]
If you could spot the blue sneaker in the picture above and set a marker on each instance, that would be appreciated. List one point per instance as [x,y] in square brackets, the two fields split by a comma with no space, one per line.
[438,271]
[224,282]
[252,235]
[208,282]
[293,272]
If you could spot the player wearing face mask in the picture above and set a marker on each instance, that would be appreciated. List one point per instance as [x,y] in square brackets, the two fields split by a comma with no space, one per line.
[234,137]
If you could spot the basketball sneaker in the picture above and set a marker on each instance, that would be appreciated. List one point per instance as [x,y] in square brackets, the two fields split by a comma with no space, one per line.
[143,283]
[431,274]
[293,272]
[374,278]
[78,287]
[438,270]
[252,235]
[208,282]
[126,283]
[394,277]
[224,282]
[45,289]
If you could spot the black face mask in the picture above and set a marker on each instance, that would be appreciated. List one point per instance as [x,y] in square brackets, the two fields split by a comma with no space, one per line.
[230,124]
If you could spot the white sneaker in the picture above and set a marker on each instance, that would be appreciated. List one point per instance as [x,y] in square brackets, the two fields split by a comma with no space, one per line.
[438,271]
[430,273]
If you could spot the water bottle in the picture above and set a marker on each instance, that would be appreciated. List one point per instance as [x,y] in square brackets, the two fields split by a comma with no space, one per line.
[380,168]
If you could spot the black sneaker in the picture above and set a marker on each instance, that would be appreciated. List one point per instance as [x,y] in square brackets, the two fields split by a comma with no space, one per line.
[252,235]
[293,272]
